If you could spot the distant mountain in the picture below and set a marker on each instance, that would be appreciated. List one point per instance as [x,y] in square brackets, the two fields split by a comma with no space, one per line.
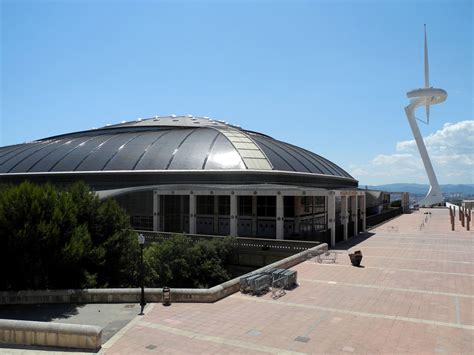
[422,189]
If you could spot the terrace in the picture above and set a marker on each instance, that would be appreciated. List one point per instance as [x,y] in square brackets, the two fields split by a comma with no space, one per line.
[414,293]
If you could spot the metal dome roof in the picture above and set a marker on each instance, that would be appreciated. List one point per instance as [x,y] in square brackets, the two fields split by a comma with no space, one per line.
[164,144]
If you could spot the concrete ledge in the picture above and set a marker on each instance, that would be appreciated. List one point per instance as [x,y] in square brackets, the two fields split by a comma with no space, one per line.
[50,334]
[132,295]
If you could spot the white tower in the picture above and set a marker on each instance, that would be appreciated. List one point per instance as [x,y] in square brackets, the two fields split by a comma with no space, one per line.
[425,97]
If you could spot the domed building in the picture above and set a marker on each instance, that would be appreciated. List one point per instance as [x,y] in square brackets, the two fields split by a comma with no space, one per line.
[199,176]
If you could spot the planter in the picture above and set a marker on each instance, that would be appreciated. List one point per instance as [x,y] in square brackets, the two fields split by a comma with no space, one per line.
[356,258]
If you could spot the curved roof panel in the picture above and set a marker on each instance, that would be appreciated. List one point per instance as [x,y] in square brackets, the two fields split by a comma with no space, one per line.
[164,143]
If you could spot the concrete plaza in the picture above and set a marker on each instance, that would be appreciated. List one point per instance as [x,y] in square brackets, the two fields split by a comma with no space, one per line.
[414,294]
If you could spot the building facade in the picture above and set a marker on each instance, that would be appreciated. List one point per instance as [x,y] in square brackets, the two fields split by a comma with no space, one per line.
[199,176]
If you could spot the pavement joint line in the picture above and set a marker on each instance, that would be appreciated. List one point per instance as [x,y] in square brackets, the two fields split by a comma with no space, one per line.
[414,259]
[362,314]
[122,331]
[400,269]
[218,340]
[389,288]
[417,249]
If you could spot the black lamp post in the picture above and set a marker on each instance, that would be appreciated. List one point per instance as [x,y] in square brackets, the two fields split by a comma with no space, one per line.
[141,241]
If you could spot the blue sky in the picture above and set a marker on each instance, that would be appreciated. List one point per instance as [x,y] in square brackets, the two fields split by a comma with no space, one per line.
[330,76]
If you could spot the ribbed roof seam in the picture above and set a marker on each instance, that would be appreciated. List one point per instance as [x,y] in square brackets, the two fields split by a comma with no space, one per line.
[210,149]
[164,133]
[93,150]
[62,158]
[177,148]
[120,148]
[31,154]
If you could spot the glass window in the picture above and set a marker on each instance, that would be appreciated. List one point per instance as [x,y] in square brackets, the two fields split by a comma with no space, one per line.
[266,206]
[224,205]
[205,204]
[245,205]
[289,205]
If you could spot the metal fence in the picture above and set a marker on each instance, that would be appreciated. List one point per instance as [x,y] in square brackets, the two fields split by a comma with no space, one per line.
[241,243]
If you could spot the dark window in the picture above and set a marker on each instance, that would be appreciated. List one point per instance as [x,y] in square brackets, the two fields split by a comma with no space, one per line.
[245,205]
[289,203]
[205,204]
[224,205]
[266,206]
[314,205]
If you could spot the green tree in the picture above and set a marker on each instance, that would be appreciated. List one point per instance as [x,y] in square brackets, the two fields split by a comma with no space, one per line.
[180,262]
[63,238]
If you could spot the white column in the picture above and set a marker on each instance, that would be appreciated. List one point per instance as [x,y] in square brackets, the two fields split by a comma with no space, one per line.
[355,217]
[332,216]
[192,214]
[233,215]
[344,216]
[280,211]
[362,212]
[156,211]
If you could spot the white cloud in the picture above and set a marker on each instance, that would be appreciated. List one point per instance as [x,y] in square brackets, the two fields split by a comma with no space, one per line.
[453,138]
[451,150]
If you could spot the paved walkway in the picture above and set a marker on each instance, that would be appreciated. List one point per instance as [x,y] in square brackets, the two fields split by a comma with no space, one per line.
[414,293]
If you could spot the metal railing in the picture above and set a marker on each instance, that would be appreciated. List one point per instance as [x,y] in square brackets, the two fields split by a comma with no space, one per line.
[251,243]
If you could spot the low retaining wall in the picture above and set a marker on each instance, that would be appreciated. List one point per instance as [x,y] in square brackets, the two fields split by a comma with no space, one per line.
[50,334]
[132,295]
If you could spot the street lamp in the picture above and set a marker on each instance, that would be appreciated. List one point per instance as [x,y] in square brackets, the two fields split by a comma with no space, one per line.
[141,241]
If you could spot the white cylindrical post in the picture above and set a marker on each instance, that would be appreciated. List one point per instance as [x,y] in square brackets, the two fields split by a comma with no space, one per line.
[363,212]
[332,216]
[354,214]
[344,216]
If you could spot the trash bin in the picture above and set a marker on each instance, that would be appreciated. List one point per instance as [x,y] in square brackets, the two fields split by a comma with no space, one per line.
[356,258]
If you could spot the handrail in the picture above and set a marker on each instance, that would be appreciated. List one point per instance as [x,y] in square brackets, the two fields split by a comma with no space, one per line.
[241,242]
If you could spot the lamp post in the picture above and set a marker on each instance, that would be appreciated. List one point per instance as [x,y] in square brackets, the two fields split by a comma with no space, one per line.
[141,241]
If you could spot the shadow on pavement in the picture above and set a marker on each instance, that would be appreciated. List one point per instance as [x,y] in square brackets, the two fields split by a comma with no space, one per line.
[39,312]
[354,241]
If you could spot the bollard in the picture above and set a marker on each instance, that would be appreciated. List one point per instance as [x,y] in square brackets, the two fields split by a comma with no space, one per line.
[468,219]
[451,215]
[463,218]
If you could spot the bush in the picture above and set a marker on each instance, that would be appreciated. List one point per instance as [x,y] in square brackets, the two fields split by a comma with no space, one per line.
[63,238]
[180,262]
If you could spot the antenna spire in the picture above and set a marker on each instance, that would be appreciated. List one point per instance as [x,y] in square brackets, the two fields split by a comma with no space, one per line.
[427,77]
[426,96]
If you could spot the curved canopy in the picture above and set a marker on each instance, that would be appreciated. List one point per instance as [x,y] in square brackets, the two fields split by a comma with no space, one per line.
[163,143]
